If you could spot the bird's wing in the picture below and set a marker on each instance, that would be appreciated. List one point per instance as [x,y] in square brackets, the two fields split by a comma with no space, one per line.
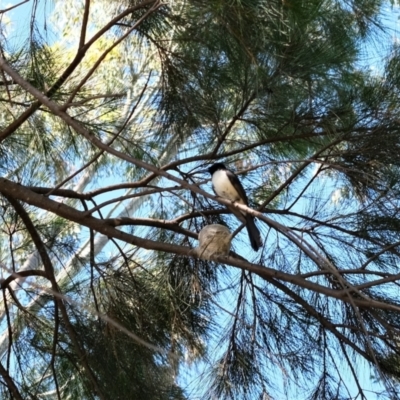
[238,186]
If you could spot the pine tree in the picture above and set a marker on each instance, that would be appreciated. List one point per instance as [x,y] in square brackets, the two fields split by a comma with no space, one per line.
[108,112]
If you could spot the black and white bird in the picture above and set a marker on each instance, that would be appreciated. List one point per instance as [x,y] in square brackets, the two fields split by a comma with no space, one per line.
[226,184]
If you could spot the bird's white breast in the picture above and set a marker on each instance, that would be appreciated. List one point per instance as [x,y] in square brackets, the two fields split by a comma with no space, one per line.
[223,187]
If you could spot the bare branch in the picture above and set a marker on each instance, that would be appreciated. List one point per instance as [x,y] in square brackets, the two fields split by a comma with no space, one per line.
[12,7]
[84,24]
[69,70]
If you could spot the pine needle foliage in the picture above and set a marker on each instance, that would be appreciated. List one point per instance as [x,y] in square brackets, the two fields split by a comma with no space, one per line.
[108,110]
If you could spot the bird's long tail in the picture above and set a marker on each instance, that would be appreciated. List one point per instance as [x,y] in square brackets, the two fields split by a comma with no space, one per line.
[254,233]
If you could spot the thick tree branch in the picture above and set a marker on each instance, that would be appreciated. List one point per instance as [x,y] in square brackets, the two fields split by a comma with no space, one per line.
[21,193]
[84,24]
[21,274]
[12,387]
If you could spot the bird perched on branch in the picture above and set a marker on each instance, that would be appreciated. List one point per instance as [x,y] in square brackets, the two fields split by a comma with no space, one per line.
[227,185]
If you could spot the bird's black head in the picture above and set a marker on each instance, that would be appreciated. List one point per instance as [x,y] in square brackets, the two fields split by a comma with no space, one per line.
[216,167]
